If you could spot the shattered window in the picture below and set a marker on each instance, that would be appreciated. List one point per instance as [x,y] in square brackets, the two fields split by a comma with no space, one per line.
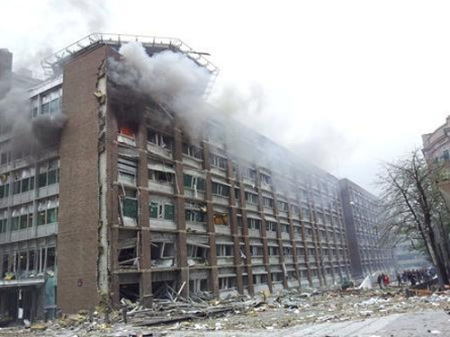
[254,223]
[220,189]
[162,210]
[251,198]
[195,183]
[3,221]
[160,139]
[218,161]
[192,151]
[267,202]
[130,207]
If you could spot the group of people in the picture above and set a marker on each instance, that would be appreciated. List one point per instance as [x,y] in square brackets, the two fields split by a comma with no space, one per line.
[415,276]
[383,280]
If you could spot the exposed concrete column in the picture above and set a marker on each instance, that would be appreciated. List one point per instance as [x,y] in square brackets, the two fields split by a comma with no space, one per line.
[248,254]
[305,244]
[212,256]
[146,292]
[279,239]
[237,260]
[180,218]
[316,239]
[293,242]
[263,231]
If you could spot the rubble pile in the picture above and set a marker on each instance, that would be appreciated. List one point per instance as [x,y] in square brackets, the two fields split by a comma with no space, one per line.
[242,313]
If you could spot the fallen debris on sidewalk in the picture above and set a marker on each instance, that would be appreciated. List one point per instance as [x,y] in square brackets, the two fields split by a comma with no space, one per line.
[284,309]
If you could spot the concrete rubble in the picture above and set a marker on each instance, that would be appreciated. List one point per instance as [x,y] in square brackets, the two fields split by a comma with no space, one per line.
[240,313]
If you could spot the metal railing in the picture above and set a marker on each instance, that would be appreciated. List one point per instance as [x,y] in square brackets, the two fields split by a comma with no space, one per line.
[52,64]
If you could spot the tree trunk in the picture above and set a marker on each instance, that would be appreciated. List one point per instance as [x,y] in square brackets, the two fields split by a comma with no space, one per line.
[439,263]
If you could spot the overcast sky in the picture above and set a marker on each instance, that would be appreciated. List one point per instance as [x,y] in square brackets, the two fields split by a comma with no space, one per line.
[348,83]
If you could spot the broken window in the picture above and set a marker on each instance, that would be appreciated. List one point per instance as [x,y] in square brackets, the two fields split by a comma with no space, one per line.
[249,173]
[47,211]
[300,251]
[276,277]
[220,218]
[287,251]
[23,181]
[271,226]
[192,151]
[265,179]
[251,198]
[48,173]
[254,223]
[162,210]
[220,189]
[51,102]
[239,221]
[5,264]
[196,252]
[160,139]
[237,194]
[195,212]
[256,251]
[163,254]
[128,258]
[227,282]
[3,221]
[218,161]
[31,261]
[4,186]
[267,202]
[22,263]
[161,172]
[225,249]
[130,207]
[126,135]
[284,228]
[274,251]
[259,278]
[282,206]
[127,170]
[193,182]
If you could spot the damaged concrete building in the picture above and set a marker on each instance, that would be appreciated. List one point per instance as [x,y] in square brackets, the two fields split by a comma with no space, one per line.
[127,201]
[362,216]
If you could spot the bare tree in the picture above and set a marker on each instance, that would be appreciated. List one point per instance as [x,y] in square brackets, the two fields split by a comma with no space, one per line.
[414,207]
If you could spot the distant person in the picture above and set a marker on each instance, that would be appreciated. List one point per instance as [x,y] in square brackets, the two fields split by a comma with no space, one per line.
[386,280]
[380,281]
[399,280]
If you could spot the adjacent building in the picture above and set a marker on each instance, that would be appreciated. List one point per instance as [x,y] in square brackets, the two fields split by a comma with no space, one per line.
[97,207]
[368,254]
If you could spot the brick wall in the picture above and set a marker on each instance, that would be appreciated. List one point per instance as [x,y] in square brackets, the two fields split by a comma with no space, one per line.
[79,192]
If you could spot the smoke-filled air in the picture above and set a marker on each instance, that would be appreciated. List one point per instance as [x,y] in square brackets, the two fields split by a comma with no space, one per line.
[169,78]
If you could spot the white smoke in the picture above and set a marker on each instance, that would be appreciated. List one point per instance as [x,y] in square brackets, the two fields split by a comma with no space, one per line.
[169,78]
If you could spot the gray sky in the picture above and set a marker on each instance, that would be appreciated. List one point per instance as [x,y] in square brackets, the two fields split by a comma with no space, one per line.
[349,83]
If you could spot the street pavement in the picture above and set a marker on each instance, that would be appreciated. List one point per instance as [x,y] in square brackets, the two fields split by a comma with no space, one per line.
[420,324]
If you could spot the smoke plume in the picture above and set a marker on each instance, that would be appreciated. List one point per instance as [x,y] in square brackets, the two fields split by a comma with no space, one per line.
[169,78]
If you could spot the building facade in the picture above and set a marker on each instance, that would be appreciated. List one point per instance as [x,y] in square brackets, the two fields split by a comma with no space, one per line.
[99,207]
[361,215]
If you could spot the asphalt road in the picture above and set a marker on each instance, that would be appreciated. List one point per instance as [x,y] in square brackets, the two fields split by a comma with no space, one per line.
[426,323]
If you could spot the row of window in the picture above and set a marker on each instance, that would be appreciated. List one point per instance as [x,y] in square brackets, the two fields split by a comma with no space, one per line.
[31,261]
[24,180]
[24,218]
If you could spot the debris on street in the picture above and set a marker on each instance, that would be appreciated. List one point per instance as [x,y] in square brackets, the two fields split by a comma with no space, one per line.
[285,309]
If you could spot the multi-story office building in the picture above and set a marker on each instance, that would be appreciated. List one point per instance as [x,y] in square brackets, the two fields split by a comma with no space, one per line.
[361,214]
[104,207]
